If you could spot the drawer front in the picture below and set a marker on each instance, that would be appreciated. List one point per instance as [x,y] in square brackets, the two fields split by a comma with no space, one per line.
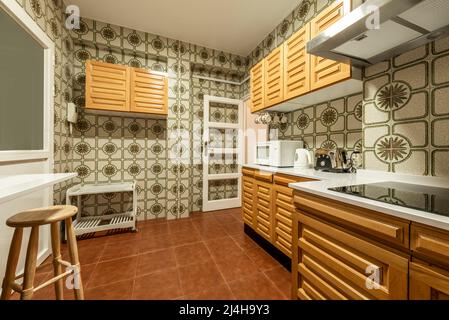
[248,172]
[264,176]
[263,209]
[428,283]
[248,200]
[284,180]
[283,214]
[375,225]
[334,264]
[431,243]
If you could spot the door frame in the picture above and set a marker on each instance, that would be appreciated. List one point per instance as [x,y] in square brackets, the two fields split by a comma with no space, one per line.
[214,205]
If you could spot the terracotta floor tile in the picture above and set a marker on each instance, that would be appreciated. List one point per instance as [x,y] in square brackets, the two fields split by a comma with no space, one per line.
[184,237]
[192,254]
[153,230]
[282,279]
[234,228]
[195,278]
[118,250]
[155,261]
[236,267]
[262,259]
[223,248]
[162,285]
[221,292]
[256,287]
[124,237]
[244,242]
[87,253]
[116,291]
[106,273]
[226,219]
[155,243]
[213,232]
[181,225]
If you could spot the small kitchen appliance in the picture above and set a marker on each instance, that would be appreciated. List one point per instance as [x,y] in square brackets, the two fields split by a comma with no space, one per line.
[277,153]
[303,159]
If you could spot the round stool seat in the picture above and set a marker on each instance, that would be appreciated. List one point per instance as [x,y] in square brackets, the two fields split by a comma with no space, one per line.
[42,216]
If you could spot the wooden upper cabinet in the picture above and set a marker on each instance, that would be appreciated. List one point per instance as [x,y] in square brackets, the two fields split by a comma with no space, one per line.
[274,77]
[107,86]
[149,92]
[257,87]
[297,64]
[324,72]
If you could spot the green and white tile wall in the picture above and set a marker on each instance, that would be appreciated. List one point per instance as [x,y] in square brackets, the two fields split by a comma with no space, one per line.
[406,112]
[49,15]
[160,155]
[337,123]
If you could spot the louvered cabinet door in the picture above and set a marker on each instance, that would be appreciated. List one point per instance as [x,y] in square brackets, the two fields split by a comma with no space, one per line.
[257,87]
[263,210]
[337,265]
[274,77]
[248,200]
[107,86]
[324,72]
[149,92]
[428,283]
[283,213]
[297,64]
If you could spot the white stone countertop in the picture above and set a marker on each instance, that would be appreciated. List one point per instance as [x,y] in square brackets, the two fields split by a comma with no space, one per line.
[332,180]
[15,186]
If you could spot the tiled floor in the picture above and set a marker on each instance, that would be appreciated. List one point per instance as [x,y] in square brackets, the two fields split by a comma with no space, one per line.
[207,256]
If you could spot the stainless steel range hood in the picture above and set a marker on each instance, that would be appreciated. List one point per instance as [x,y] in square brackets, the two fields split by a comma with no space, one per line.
[404,25]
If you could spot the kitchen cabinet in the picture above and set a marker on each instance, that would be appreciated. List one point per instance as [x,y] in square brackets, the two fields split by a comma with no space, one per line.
[274,77]
[149,92]
[117,88]
[428,282]
[257,87]
[263,189]
[333,263]
[107,86]
[283,210]
[324,72]
[297,64]
[289,78]
[248,191]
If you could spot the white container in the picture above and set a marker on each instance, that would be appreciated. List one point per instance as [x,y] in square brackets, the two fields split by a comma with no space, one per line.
[303,159]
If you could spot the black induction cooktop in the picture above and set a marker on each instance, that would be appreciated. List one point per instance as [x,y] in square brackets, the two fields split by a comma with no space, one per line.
[424,198]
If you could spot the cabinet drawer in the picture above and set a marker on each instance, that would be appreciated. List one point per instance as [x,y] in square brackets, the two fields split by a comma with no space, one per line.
[431,243]
[383,228]
[264,176]
[248,172]
[335,264]
[284,180]
[428,283]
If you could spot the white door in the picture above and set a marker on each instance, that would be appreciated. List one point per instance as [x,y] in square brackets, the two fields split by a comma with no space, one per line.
[222,153]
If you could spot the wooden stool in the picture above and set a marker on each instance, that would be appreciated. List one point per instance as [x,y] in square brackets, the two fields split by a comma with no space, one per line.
[34,219]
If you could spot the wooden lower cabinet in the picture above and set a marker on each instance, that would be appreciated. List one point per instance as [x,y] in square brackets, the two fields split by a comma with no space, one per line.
[331,263]
[248,197]
[428,282]
[283,210]
[263,209]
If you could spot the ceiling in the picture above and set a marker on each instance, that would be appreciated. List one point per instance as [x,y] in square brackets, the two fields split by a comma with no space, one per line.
[234,26]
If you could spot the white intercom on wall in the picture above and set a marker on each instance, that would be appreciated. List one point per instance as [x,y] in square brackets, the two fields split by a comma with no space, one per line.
[72,116]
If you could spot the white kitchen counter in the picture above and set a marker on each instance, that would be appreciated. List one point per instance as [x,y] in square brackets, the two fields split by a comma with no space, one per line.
[12,187]
[332,180]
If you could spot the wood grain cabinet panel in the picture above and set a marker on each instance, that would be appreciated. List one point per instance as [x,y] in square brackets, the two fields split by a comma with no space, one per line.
[274,77]
[430,243]
[257,87]
[324,72]
[107,86]
[428,283]
[149,92]
[263,208]
[248,191]
[333,264]
[378,226]
[297,64]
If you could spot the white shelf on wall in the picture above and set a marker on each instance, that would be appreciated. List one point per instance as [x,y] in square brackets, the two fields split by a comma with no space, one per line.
[86,225]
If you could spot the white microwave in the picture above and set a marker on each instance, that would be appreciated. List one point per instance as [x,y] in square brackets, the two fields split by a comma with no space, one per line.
[279,153]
